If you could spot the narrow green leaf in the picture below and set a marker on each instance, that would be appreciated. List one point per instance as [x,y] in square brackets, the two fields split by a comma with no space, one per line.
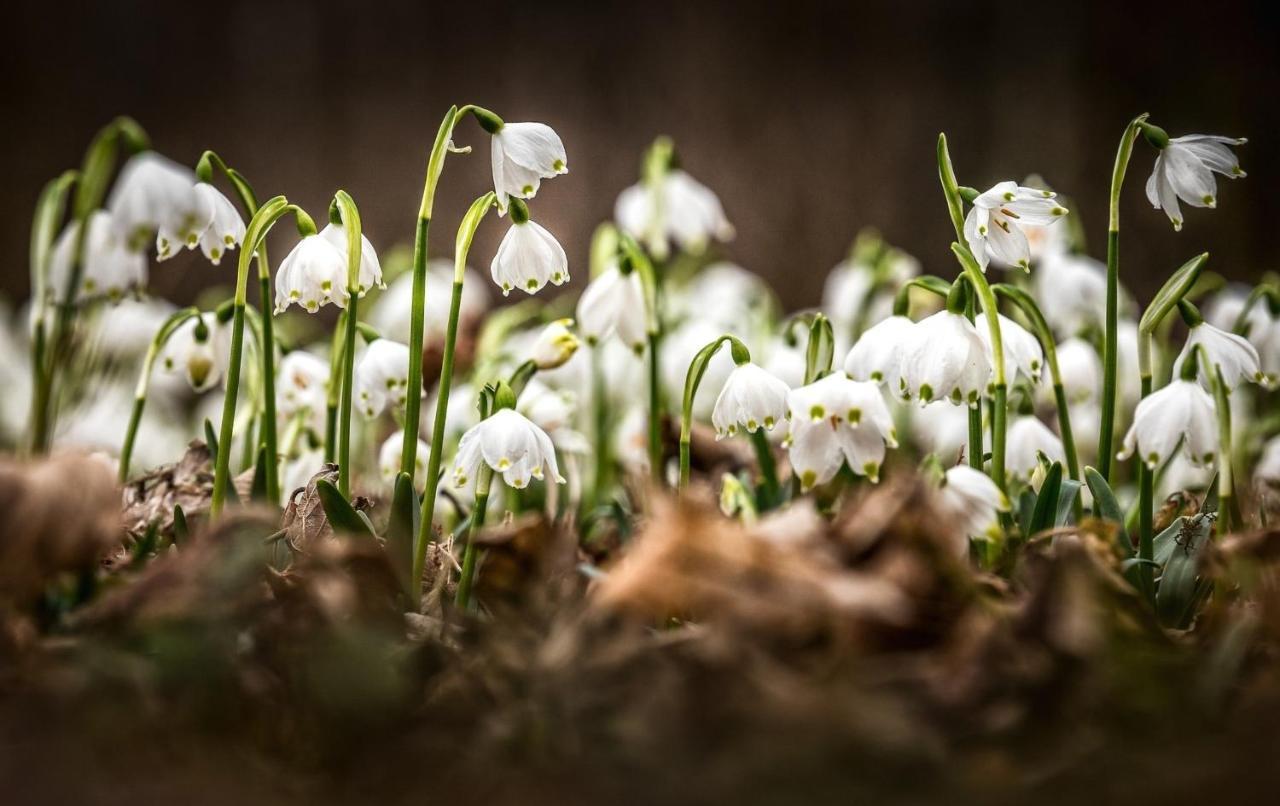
[258,490]
[1047,501]
[402,526]
[210,437]
[180,529]
[1179,591]
[1107,507]
[1066,500]
[1026,508]
[1174,289]
[342,516]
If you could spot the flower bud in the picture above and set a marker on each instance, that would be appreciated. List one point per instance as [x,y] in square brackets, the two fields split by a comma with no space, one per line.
[555,345]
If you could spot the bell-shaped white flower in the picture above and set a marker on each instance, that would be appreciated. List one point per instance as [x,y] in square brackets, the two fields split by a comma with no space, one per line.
[727,295]
[223,233]
[1179,414]
[836,420]
[199,350]
[1026,440]
[1022,352]
[554,411]
[370,275]
[155,194]
[109,268]
[528,258]
[974,501]
[554,346]
[1080,369]
[1074,290]
[786,361]
[680,209]
[944,358]
[942,429]
[381,377]
[302,381]
[877,355]
[523,154]
[510,444]
[391,312]
[612,303]
[1184,170]
[993,227]
[1227,353]
[750,399]
[1266,474]
[312,275]
[389,461]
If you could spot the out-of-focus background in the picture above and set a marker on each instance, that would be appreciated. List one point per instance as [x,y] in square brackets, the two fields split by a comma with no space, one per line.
[809,119]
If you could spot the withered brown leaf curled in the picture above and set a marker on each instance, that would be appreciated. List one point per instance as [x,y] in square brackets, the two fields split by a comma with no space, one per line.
[188,483]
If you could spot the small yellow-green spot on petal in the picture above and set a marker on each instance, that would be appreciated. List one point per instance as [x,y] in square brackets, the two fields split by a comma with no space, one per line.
[752,425]
[1008,196]
[503,464]
[855,416]
[557,166]
[973,397]
[1208,200]
[527,189]
[769,422]
[531,284]
[1058,211]
[955,396]
[817,412]
[807,478]
[871,470]
[1048,194]
[926,392]
[877,376]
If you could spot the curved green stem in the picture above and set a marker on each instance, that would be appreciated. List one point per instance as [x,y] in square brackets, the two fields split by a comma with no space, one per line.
[640,262]
[158,342]
[50,209]
[693,378]
[973,273]
[1111,334]
[462,247]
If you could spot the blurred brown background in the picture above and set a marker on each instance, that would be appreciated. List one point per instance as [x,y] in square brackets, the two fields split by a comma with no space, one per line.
[809,119]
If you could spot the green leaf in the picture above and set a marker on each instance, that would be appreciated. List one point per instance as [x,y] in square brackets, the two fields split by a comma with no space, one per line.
[1174,289]
[210,437]
[1180,590]
[180,529]
[1107,507]
[1066,499]
[258,490]
[342,516]
[1047,501]
[1026,508]
[402,526]
[145,546]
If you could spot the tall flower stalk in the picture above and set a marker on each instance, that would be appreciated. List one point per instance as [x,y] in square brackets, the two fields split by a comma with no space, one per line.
[158,342]
[638,261]
[698,368]
[261,223]
[344,211]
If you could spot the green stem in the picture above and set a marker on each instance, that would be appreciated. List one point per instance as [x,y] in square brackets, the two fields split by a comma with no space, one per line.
[462,247]
[990,310]
[463,596]
[693,379]
[655,412]
[1226,481]
[350,214]
[1111,335]
[158,342]
[1146,503]
[333,390]
[601,424]
[768,469]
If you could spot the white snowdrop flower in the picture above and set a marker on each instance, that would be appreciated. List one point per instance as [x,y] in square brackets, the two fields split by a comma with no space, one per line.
[1179,475]
[199,350]
[836,420]
[1184,170]
[1022,352]
[974,501]
[312,275]
[678,349]
[155,194]
[750,399]
[528,258]
[1080,369]
[1074,288]
[786,362]
[522,155]
[941,429]
[725,294]
[510,444]
[391,313]
[224,231]
[389,461]
[877,355]
[381,377]
[631,441]
[554,345]
[680,210]
[993,227]
[612,303]
[1128,377]
[370,275]
[553,410]
[1224,308]
[461,414]
[109,268]
[1028,438]
[97,422]
[126,329]
[1179,414]
[1266,474]
[1225,352]
[302,381]
[944,358]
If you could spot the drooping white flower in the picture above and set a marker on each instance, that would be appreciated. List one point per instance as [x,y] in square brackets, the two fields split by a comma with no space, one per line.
[392,311]
[941,429]
[786,361]
[1184,170]
[679,210]
[944,358]
[836,420]
[155,194]
[461,414]
[1022,352]
[1179,414]
[877,355]
[109,268]
[522,155]
[554,345]
[553,410]
[370,275]
[1225,352]
[389,461]
[302,381]
[1266,474]
[974,502]
[1026,440]
[727,295]
[1073,289]
[631,440]
[528,258]
[1080,369]
[313,274]
[224,231]
[993,225]
[510,444]
[614,302]
[750,399]
[381,377]
[199,350]
[125,330]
